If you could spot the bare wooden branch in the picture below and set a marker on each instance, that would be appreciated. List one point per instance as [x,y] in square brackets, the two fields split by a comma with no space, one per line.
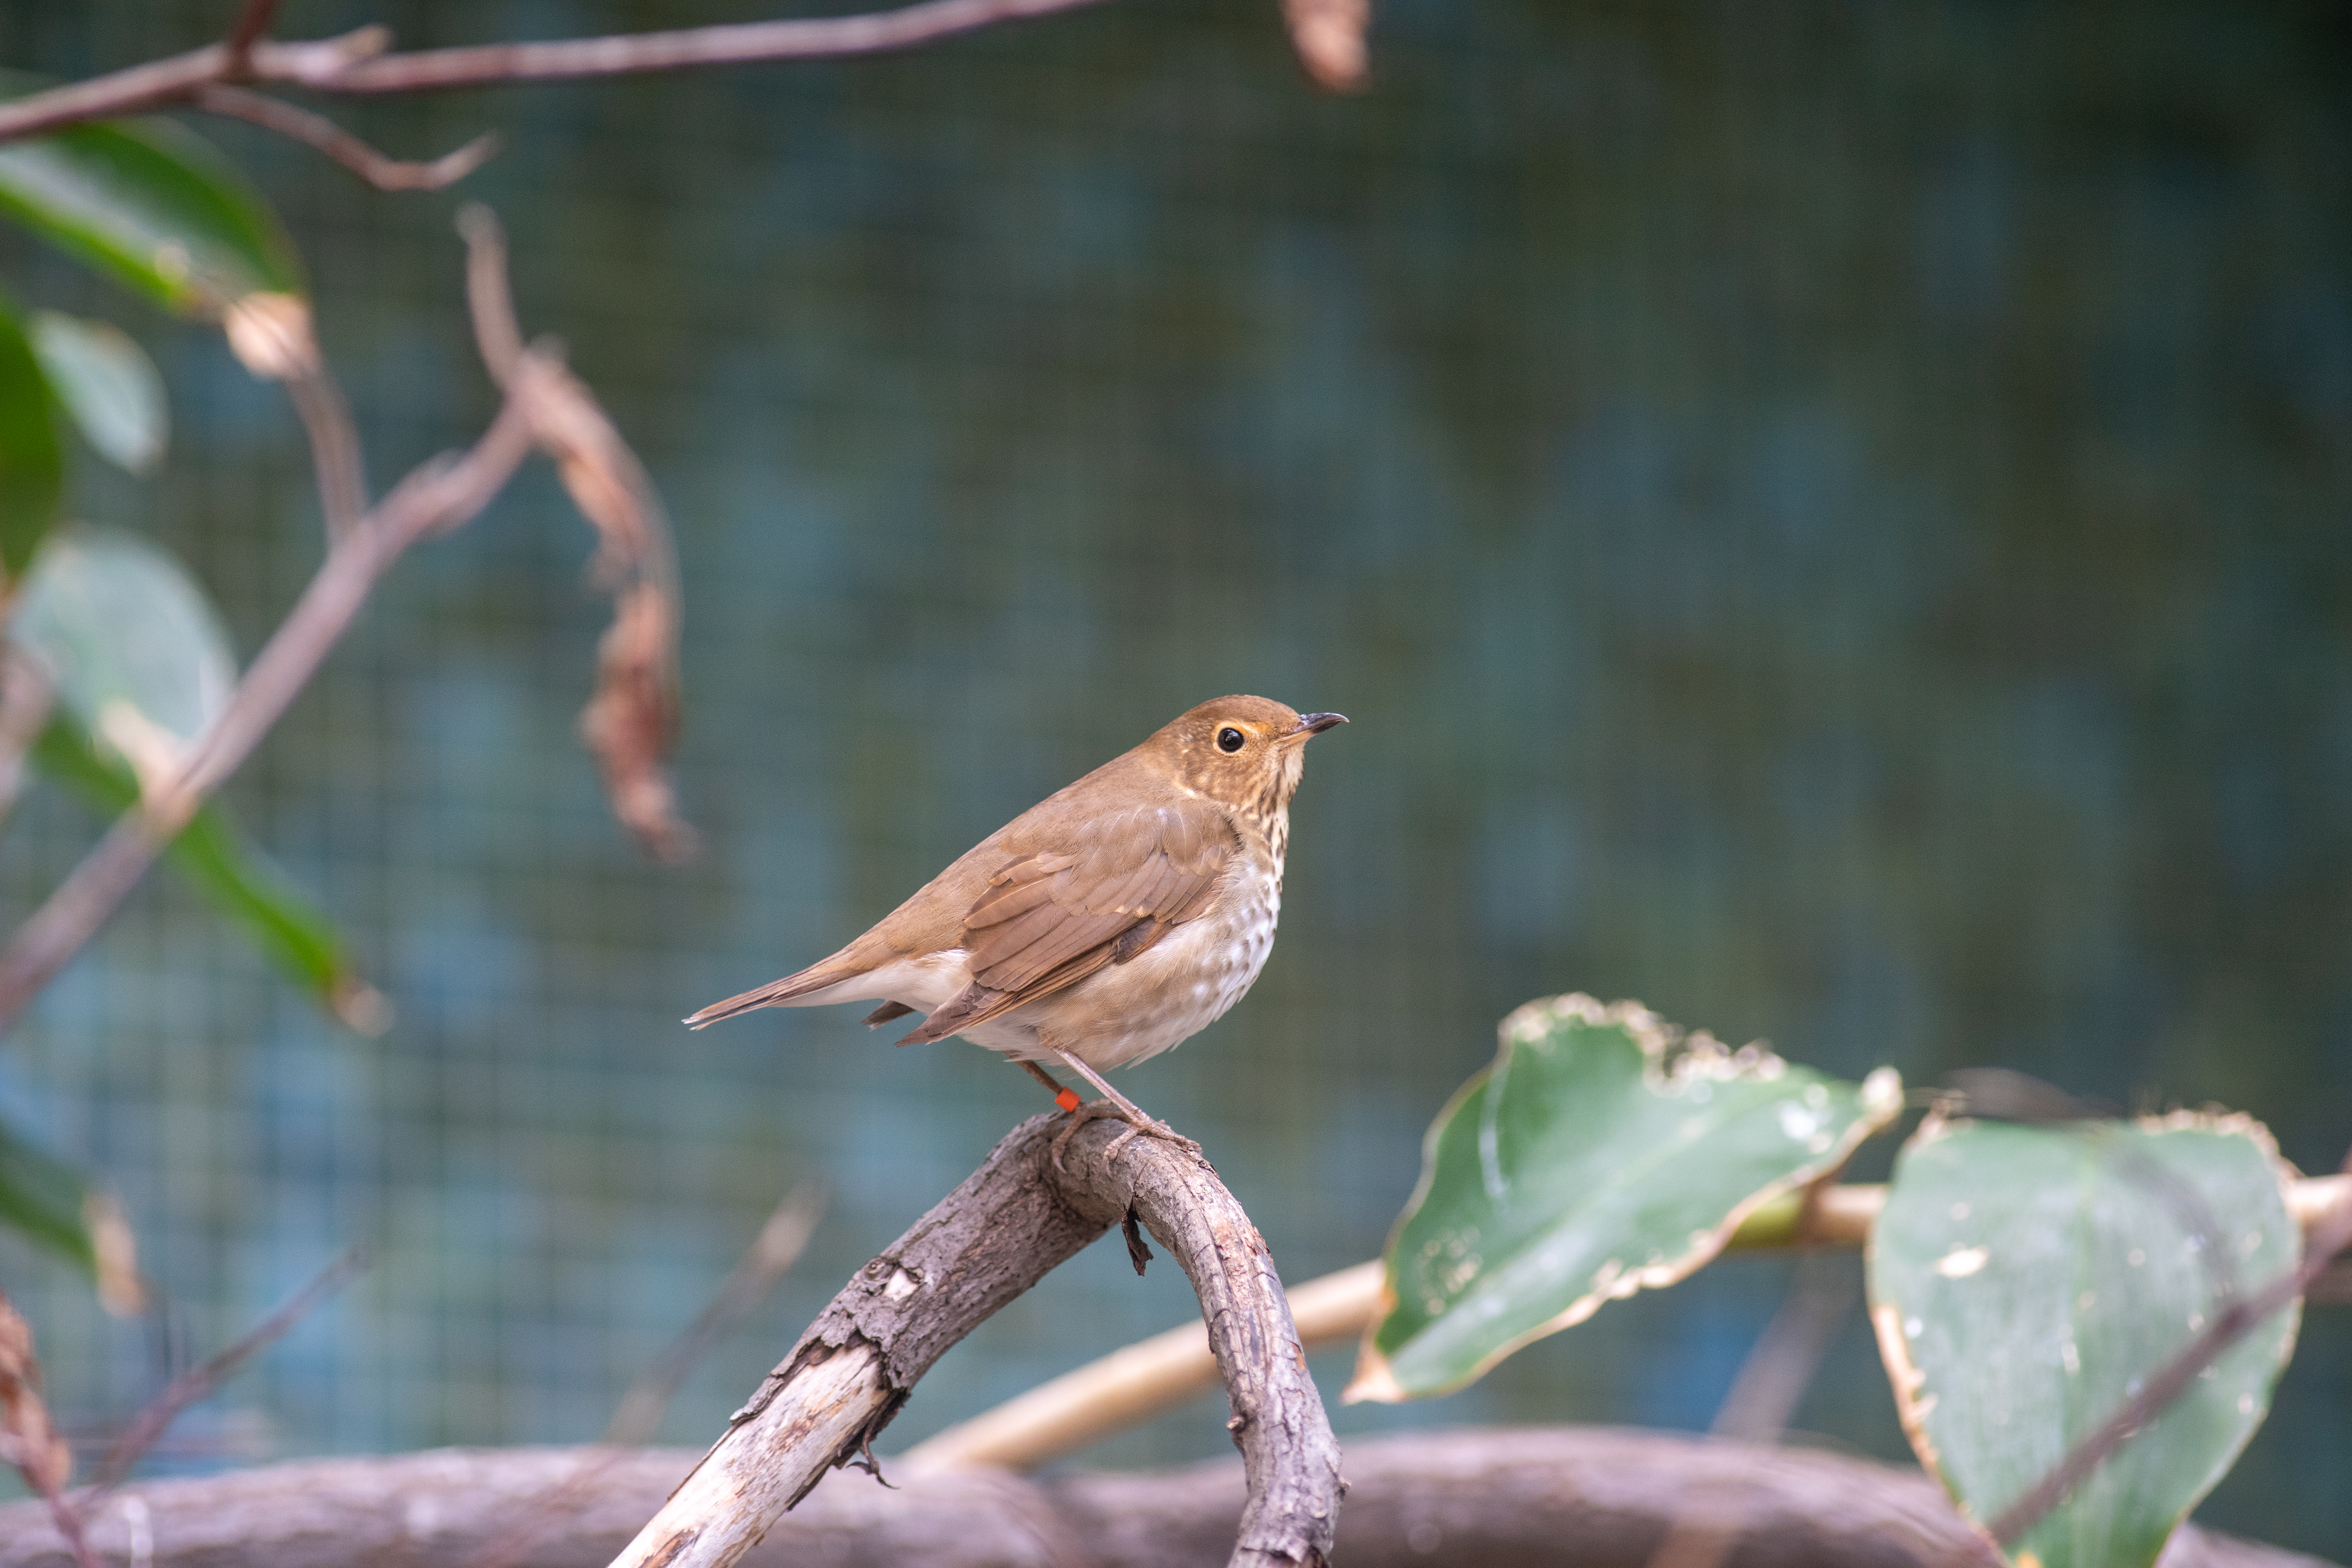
[1004,1230]
[323,135]
[1593,1497]
[356,64]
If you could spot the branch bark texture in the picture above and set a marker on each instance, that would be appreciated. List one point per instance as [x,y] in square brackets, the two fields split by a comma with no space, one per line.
[1004,1230]
[1501,1498]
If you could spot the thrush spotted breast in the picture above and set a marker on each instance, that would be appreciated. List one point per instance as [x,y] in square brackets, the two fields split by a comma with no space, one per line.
[1107,922]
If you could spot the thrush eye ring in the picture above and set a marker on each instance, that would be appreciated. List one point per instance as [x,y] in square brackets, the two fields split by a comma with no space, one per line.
[1231,740]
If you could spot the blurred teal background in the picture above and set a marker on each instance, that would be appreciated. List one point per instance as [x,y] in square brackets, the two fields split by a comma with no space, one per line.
[1830,519]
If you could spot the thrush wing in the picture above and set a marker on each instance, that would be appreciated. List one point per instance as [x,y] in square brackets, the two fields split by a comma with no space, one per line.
[1050,918]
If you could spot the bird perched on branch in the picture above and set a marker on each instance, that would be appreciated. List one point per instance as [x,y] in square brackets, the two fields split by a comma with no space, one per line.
[1105,924]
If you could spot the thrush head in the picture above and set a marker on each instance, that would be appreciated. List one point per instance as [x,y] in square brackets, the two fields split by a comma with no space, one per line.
[1247,752]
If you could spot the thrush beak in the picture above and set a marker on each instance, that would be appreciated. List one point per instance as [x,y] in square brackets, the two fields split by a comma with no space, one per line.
[1315,723]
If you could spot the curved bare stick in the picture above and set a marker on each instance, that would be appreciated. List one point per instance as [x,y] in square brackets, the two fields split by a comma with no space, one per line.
[316,130]
[1002,1230]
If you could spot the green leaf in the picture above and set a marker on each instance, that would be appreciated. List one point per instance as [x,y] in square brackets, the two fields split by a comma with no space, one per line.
[2024,1280]
[1591,1159]
[32,465]
[130,642]
[154,205]
[274,917]
[108,383]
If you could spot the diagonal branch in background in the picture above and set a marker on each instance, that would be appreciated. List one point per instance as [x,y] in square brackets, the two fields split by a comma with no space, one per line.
[771,1255]
[198,1382]
[629,723]
[1002,1230]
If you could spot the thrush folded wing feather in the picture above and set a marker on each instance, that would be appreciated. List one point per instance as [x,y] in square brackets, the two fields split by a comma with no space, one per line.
[1048,918]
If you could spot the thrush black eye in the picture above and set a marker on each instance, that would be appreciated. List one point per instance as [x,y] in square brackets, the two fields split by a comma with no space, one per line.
[1231,740]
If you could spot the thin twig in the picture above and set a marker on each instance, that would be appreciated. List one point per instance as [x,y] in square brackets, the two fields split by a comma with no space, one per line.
[772,1252]
[251,23]
[1765,1396]
[771,1255]
[497,334]
[25,698]
[2240,1317]
[198,1382]
[355,65]
[323,135]
[335,454]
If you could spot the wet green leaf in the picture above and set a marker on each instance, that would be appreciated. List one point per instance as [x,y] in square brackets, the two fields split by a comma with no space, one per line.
[108,383]
[32,465]
[2024,1280]
[154,205]
[1591,1159]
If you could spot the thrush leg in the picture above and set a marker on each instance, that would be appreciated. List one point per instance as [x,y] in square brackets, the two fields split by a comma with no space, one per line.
[1138,1121]
[1067,1099]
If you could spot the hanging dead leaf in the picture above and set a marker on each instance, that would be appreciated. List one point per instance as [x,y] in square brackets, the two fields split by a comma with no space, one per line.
[1330,37]
[631,722]
[33,1445]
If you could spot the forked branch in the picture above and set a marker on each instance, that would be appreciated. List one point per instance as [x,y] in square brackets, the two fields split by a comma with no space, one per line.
[1002,1230]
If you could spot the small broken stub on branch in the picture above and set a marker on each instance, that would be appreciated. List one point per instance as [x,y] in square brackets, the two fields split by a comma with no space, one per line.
[1330,37]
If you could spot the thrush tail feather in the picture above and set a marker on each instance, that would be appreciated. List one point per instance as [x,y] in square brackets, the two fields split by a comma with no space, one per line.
[784,993]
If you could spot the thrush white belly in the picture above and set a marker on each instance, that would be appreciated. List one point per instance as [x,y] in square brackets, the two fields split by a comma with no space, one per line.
[1168,992]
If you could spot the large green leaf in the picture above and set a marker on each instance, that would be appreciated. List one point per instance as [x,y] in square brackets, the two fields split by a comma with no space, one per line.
[108,383]
[1592,1159]
[32,468]
[2025,1280]
[157,206]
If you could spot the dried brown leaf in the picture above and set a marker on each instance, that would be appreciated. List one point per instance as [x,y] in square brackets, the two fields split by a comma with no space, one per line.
[1330,37]
[33,1445]
[631,722]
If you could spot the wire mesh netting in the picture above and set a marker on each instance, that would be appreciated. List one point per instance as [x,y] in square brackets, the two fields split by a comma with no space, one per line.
[1827,519]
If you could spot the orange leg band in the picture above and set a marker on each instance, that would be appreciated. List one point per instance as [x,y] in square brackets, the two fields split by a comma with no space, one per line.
[1067,1100]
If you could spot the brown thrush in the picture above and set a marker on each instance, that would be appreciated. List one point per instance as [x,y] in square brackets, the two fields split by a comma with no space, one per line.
[1105,924]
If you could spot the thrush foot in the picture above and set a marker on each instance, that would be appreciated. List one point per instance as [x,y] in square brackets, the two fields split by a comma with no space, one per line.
[1139,1125]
